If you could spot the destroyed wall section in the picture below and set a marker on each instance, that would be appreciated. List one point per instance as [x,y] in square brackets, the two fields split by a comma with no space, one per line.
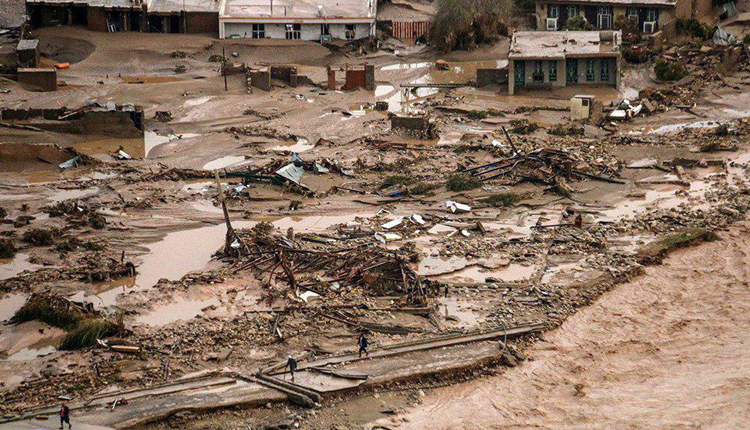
[38,79]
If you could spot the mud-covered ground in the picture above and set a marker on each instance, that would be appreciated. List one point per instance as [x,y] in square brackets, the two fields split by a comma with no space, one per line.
[515,257]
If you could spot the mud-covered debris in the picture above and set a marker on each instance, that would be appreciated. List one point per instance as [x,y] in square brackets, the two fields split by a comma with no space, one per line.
[40,236]
[7,248]
[163,116]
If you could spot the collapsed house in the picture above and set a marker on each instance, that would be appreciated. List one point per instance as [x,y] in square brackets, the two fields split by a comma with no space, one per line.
[541,59]
[152,16]
[317,20]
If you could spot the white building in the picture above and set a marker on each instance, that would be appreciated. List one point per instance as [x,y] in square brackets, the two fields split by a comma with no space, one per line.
[297,19]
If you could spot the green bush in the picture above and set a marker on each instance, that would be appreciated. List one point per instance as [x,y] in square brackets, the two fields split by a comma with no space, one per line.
[577,23]
[669,70]
[629,28]
[462,24]
[722,130]
[462,182]
[695,28]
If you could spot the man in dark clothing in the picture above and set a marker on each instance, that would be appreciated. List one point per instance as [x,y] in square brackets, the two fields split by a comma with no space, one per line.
[291,363]
[64,416]
[363,342]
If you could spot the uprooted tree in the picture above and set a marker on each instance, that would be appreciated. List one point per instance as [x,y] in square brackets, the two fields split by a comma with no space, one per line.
[463,24]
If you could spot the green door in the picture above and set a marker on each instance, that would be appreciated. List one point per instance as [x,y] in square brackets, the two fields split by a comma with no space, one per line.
[571,71]
[520,73]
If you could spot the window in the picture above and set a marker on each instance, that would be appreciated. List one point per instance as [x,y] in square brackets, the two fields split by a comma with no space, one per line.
[538,75]
[553,11]
[351,32]
[604,17]
[553,71]
[573,11]
[651,15]
[259,31]
[294,31]
[325,30]
[590,74]
[632,14]
[604,70]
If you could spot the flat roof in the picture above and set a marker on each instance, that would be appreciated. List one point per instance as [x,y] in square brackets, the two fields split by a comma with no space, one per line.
[175,6]
[153,6]
[652,3]
[280,10]
[25,44]
[558,45]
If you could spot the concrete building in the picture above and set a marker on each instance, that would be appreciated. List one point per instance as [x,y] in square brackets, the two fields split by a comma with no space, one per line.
[650,15]
[545,59]
[153,16]
[317,20]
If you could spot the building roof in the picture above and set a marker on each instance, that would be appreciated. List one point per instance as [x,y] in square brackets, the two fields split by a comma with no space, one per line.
[27,44]
[153,6]
[175,6]
[296,10]
[558,45]
[651,3]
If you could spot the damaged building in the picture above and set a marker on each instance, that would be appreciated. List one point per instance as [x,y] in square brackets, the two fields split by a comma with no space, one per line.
[650,16]
[319,20]
[152,16]
[540,59]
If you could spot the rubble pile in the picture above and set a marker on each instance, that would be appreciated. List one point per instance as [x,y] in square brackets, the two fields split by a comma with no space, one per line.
[315,264]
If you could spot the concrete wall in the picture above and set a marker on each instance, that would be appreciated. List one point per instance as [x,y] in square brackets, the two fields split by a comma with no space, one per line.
[491,76]
[278,31]
[260,79]
[38,79]
[418,123]
[28,57]
[202,23]
[702,10]
[530,68]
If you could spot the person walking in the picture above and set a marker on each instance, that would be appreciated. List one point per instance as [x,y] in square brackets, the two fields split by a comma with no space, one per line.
[291,363]
[64,415]
[362,342]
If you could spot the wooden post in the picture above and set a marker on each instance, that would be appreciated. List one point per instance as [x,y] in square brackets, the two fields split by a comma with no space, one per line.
[224,72]
[230,231]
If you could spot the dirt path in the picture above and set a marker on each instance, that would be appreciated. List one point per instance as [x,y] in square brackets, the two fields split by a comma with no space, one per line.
[667,351]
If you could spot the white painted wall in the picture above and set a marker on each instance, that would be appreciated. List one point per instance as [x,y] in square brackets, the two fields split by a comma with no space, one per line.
[278,31]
